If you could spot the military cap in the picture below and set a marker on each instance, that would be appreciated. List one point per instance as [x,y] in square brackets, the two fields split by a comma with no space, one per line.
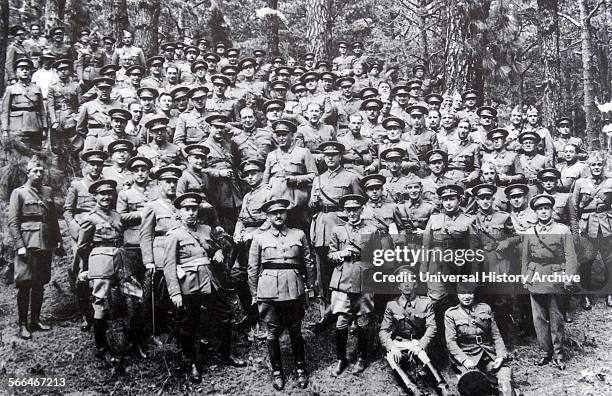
[198,92]
[541,199]
[85,32]
[515,189]
[147,93]
[436,154]
[101,82]
[199,64]
[341,43]
[284,70]
[23,62]
[393,152]
[179,92]
[417,109]
[252,165]
[109,39]
[211,56]
[109,69]
[217,120]
[357,44]
[232,51]
[417,68]
[549,173]
[393,122]
[192,48]
[247,62]
[121,114]
[202,40]
[373,180]
[324,64]
[63,64]
[309,55]
[168,172]
[179,45]
[487,111]
[229,70]
[155,123]
[564,121]
[259,52]
[352,201]
[196,149]
[433,98]
[532,110]
[273,104]
[298,87]
[34,163]
[328,76]
[298,71]
[169,46]
[14,31]
[368,93]
[469,94]
[139,161]
[311,75]
[466,287]
[400,89]
[484,189]
[120,144]
[275,205]
[345,81]
[94,156]
[371,103]
[449,190]
[412,179]
[331,147]
[375,64]
[278,59]
[220,78]
[283,126]
[187,199]
[529,135]
[47,55]
[57,30]
[497,133]
[154,60]
[103,185]
[134,69]
[282,85]
[414,84]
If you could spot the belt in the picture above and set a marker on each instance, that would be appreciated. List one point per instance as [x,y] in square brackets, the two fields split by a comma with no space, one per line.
[358,161]
[533,182]
[599,209]
[24,108]
[328,208]
[195,263]
[547,260]
[32,217]
[160,233]
[96,126]
[353,257]
[282,266]
[253,223]
[474,338]
[463,169]
[109,243]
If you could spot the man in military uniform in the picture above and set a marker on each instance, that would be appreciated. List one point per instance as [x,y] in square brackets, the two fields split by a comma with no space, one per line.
[155,79]
[190,250]
[463,156]
[90,59]
[314,131]
[280,272]
[470,101]
[548,248]
[487,117]
[135,54]
[34,228]
[24,115]
[181,99]
[15,51]
[247,71]
[199,70]
[407,330]
[159,150]
[248,141]
[564,127]
[506,162]
[233,92]
[530,161]
[311,82]
[290,171]
[395,186]
[570,167]
[349,300]
[437,161]
[358,149]
[219,102]
[78,203]
[346,104]
[343,63]
[378,210]
[58,47]
[372,128]
[94,119]
[395,128]
[424,139]
[129,92]
[545,144]
[592,196]
[448,124]
[191,126]
[412,215]
[35,44]
[474,342]
[109,49]
[120,152]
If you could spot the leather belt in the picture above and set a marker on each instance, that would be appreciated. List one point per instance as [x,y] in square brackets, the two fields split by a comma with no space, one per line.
[253,223]
[328,208]
[160,233]
[599,209]
[24,108]
[96,126]
[547,260]
[109,243]
[473,338]
[281,266]
[32,217]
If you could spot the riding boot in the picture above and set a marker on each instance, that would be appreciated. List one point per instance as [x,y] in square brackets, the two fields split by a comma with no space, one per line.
[84,305]
[341,340]
[103,351]
[23,303]
[276,362]
[224,338]
[363,334]
[36,302]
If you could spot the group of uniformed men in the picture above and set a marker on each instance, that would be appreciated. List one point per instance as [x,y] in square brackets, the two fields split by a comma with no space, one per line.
[205,176]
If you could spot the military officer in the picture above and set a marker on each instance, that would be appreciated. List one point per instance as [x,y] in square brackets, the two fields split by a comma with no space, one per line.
[190,250]
[371,128]
[474,342]
[349,300]
[530,161]
[463,156]
[199,71]
[90,59]
[438,177]
[280,272]
[411,215]
[548,248]
[247,68]
[343,63]
[564,127]
[470,101]
[487,117]
[15,51]
[570,167]
[34,229]
[399,106]
[378,210]
[346,104]
[219,102]
[312,133]
[545,144]
[155,79]
[159,150]
[120,152]
[506,162]
[191,126]
[358,149]
[94,119]
[35,44]
[248,141]
[423,138]
[118,122]
[128,50]
[395,128]
[396,180]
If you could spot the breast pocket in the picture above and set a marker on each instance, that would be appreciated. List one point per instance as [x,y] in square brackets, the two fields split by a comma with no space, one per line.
[31,207]
[186,249]
[296,167]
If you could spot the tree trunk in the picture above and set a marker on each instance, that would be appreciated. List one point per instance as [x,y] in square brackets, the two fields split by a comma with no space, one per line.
[145,22]
[608,29]
[53,14]
[318,31]
[216,24]
[422,12]
[119,18]
[271,24]
[457,60]
[548,32]
[587,75]
[4,31]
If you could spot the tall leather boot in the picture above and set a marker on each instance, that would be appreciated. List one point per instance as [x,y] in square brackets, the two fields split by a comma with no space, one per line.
[23,303]
[37,299]
[103,351]
[299,356]
[274,352]
[363,334]
[84,305]
[341,340]
[224,337]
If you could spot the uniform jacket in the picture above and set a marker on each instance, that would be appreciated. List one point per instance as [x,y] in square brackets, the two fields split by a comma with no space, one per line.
[191,128]
[408,319]
[78,203]
[593,202]
[130,203]
[297,162]
[63,100]
[23,108]
[158,217]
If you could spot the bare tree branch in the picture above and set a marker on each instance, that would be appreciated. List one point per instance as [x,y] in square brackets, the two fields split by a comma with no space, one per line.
[594,11]
[570,19]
